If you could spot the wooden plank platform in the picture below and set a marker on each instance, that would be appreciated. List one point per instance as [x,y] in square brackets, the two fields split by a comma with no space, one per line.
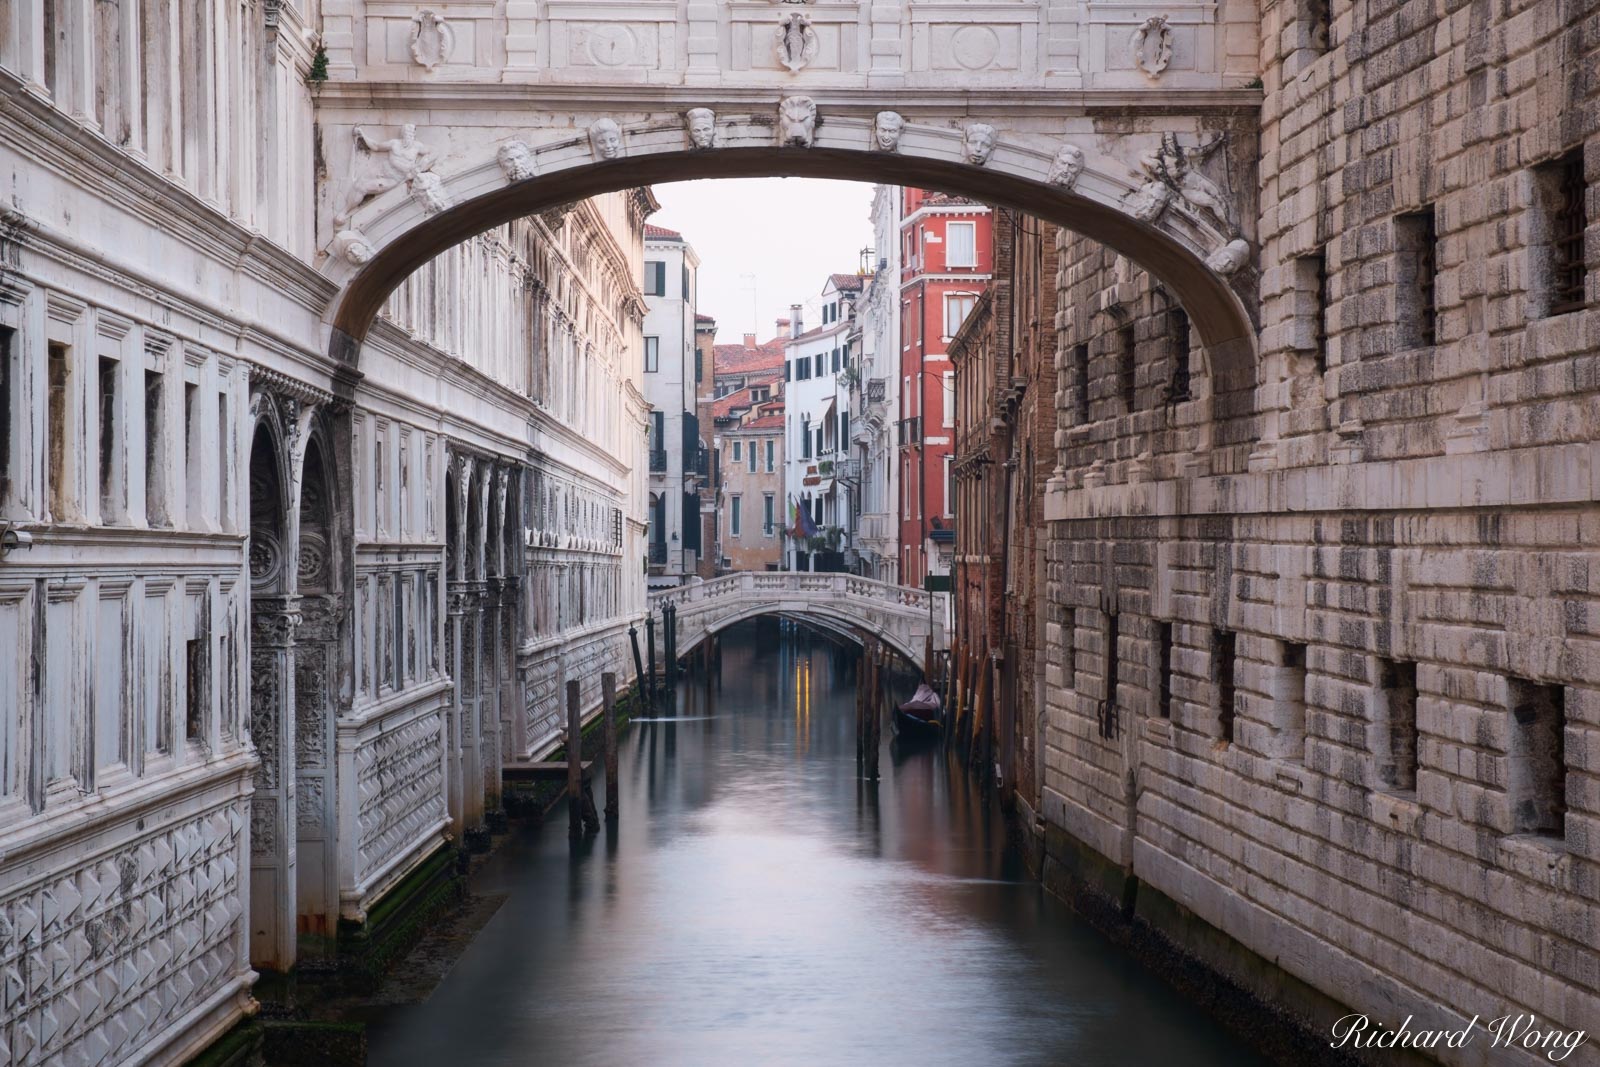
[543,771]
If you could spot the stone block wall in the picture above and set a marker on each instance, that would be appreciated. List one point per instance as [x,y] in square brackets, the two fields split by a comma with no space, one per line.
[1355,718]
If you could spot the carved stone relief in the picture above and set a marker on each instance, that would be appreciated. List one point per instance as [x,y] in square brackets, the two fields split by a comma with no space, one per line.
[1151,45]
[701,123]
[1230,257]
[516,159]
[605,139]
[428,190]
[795,41]
[797,121]
[432,39]
[353,245]
[1066,167]
[977,143]
[886,130]
[388,164]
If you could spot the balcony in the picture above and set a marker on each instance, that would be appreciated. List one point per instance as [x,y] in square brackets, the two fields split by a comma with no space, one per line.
[658,460]
[658,553]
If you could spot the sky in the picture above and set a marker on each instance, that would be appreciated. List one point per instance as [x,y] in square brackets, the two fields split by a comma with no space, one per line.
[790,233]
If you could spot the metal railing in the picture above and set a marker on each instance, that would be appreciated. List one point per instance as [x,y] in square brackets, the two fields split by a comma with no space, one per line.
[658,460]
[658,553]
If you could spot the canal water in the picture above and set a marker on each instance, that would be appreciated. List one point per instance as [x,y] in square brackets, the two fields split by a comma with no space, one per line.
[758,904]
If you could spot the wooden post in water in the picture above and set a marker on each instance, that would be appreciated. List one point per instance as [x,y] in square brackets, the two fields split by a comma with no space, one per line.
[574,760]
[650,679]
[875,712]
[638,665]
[608,689]
[862,669]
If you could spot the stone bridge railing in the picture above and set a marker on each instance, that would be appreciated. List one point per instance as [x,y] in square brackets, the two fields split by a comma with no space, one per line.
[902,616]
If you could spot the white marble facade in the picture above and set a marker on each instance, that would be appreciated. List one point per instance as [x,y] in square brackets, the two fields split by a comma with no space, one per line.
[273,626]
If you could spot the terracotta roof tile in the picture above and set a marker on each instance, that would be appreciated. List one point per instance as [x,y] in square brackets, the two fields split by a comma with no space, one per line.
[652,232]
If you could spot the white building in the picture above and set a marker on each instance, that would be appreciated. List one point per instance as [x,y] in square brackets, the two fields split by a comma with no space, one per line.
[277,618]
[677,451]
[817,426]
[875,399]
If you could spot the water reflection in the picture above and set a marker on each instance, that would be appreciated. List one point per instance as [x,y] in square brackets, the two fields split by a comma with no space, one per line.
[760,904]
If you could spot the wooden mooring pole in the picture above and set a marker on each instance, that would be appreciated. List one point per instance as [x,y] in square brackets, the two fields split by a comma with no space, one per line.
[574,760]
[608,689]
[875,712]
[649,684]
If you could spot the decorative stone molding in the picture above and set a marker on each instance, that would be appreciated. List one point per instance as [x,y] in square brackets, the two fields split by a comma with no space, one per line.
[977,143]
[1230,257]
[432,39]
[605,139]
[1151,45]
[1095,476]
[701,125]
[516,160]
[1469,430]
[886,129]
[795,42]
[797,122]
[1066,167]
[1350,446]
[1171,172]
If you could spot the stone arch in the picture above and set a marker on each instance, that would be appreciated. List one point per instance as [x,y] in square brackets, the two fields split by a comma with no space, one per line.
[839,621]
[1145,217]
[273,618]
[319,585]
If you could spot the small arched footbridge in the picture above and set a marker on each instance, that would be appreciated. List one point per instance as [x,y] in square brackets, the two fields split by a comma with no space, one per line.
[900,616]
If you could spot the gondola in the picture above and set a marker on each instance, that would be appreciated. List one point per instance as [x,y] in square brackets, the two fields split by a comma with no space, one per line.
[919,716]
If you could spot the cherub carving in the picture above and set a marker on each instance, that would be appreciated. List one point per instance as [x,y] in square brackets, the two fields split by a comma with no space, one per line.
[977,143]
[605,138]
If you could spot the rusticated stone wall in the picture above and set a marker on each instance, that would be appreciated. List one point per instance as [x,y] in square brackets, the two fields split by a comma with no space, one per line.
[1340,700]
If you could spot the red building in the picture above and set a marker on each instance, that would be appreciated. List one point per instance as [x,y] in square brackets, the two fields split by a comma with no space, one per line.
[946,256]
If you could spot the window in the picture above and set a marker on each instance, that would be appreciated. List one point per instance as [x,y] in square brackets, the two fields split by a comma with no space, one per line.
[60,386]
[1286,707]
[961,244]
[191,445]
[805,438]
[699,360]
[1316,24]
[1127,367]
[1222,666]
[949,398]
[686,293]
[1416,264]
[658,430]
[737,453]
[1080,363]
[788,370]
[1536,770]
[1562,220]
[844,428]
[1111,655]
[768,512]
[1396,740]
[652,354]
[957,306]
[735,515]
[154,436]
[817,371]
[223,459]
[771,451]
[836,361]
[949,485]
[750,456]
[655,277]
[1178,332]
[1311,306]
[8,397]
[195,690]
[1164,669]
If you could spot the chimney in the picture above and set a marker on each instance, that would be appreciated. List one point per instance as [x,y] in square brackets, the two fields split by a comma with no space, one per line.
[749,340]
[783,328]
[797,325]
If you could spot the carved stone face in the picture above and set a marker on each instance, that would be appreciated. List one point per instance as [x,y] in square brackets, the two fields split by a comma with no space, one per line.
[1067,166]
[886,129]
[702,127]
[978,143]
[605,137]
[516,159]
[1230,257]
[797,121]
